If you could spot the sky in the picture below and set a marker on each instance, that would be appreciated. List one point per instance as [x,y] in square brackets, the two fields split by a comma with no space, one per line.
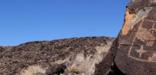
[36,20]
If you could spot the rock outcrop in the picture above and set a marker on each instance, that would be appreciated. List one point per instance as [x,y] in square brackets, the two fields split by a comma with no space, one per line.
[76,56]
[134,50]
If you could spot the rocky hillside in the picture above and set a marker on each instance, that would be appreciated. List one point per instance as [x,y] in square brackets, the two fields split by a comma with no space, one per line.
[75,56]
[133,52]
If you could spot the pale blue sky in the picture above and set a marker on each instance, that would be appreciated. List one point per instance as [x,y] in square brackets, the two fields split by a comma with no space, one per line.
[31,20]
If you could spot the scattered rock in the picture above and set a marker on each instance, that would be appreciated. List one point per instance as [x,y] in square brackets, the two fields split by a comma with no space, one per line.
[75,56]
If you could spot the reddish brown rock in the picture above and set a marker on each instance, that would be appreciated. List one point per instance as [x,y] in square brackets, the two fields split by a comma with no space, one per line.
[136,52]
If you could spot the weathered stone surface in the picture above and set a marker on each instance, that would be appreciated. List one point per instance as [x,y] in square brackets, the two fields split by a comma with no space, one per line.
[76,56]
[136,51]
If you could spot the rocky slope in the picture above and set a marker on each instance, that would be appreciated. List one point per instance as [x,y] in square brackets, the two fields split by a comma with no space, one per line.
[75,56]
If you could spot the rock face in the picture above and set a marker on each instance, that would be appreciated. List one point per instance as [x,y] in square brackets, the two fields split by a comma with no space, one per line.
[76,56]
[134,50]
[135,46]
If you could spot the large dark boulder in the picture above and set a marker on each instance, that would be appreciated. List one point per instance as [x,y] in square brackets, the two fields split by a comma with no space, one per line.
[134,50]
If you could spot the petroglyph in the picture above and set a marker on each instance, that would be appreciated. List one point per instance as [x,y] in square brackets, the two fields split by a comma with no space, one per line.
[142,35]
[141,51]
[147,38]
[136,44]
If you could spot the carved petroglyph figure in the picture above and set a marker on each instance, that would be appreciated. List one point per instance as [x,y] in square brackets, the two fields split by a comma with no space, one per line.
[141,51]
[147,38]
[146,35]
